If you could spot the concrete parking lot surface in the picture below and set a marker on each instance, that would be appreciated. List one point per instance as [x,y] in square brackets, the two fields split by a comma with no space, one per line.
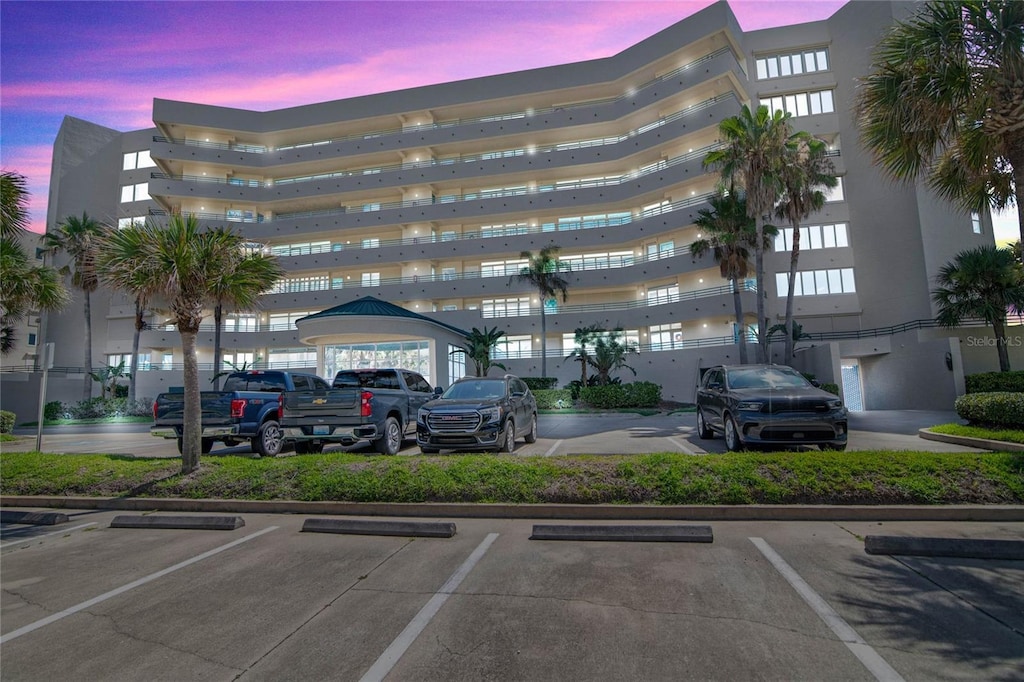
[268,602]
[559,434]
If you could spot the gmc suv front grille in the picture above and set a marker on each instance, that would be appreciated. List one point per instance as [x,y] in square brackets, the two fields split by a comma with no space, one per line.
[453,422]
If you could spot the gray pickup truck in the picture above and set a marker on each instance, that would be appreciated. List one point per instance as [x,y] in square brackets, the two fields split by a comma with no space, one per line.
[376,405]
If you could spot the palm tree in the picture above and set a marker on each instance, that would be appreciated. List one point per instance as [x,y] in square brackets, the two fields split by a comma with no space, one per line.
[806,171]
[985,283]
[544,272]
[730,237]
[78,238]
[479,344]
[945,100]
[584,336]
[179,267]
[240,288]
[610,355]
[752,159]
[24,286]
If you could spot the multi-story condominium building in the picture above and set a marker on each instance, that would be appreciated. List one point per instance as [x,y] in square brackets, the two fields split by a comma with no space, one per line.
[425,199]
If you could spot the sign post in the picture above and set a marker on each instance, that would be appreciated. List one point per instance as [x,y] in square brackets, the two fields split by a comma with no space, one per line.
[47,364]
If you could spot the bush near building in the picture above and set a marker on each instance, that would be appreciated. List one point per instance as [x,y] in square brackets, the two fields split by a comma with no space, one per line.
[7,421]
[611,396]
[540,383]
[553,398]
[1003,408]
[986,382]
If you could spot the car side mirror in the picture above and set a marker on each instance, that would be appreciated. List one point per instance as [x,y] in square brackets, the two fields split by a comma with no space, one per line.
[815,383]
[715,386]
[438,390]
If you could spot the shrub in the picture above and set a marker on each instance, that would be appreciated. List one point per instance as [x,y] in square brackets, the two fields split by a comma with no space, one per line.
[643,394]
[992,409]
[831,388]
[553,399]
[988,382]
[540,383]
[53,410]
[7,421]
[98,408]
[638,394]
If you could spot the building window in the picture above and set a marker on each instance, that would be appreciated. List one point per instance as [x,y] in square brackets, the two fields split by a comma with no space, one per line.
[133,221]
[976,223]
[31,339]
[280,321]
[802,103]
[836,193]
[133,160]
[300,249]
[139,192]
[661,250]
[813,237]
[817,282]
[502,268]
[666,336]
[299,284]
[238,360]
[411,355]
[286,358]
[240,323]
[506,307]
[448,274]
[665,294]
[370,279]
[456,363]
[794,64]
[514,347]
[371,243]
[167,362]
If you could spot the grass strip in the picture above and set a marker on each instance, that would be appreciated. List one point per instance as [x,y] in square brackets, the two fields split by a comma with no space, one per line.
[1007,435]
[872,477]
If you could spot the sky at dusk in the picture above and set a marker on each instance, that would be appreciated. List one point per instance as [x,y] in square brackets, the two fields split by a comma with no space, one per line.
[105,61]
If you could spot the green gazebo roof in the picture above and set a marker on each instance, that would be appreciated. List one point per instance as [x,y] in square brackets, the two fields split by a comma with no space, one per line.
[369,306]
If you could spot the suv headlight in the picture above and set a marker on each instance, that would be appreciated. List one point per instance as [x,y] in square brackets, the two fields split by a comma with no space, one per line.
[421,415]
[750,405]
[491,414]
[835,404]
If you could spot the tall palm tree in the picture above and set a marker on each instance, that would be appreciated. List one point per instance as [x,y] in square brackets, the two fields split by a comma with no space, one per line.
[78,238]
[610,355]
[179,267]
[985,283]
[751,158]
[479,344]
[584,336]
[24,286]
[730,235]
[806,171]
[544,272]
[945,101]
[240,288]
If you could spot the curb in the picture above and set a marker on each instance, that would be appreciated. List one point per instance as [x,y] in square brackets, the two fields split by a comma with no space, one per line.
[657,533]
[961,548]
[33,518]
[539,511]
[179,522]
[970,441]
[405,529]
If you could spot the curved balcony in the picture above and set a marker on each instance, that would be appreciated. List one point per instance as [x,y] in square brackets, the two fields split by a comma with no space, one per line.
[707,68]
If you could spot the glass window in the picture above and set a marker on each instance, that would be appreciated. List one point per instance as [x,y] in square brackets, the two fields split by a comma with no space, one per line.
[370,279]
[835,281]
[139,192]
[456,363]
[815,240]
[841,239]
[976,223]
[31,339]
[848,283]
[762,69]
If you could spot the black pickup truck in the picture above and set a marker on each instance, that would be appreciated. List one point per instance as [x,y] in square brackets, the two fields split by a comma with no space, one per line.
[248,409]
[377,405]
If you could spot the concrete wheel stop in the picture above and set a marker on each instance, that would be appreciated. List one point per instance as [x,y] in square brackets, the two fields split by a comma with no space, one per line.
[33,518]
[624,533]
[963,548]
[179,522]
[409,529]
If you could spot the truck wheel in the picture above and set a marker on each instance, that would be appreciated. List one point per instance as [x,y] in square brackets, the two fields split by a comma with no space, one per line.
[206,444]
[732,435]
[306,448]
[269,439]
[531,435]
[391,441]
[703,431]
[508,437]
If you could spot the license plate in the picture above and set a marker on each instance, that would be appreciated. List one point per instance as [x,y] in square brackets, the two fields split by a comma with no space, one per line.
[321,430]
[798,434]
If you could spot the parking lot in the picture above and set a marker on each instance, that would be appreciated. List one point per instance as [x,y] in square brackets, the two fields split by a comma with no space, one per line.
[559,434]
[268,602]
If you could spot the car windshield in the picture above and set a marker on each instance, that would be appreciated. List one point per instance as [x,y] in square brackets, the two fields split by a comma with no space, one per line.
[766,377]
[475,390]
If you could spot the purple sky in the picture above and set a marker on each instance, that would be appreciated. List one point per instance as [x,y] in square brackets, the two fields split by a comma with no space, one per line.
[106,61]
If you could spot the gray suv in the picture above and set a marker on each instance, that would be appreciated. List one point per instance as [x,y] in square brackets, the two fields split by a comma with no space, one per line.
[478,413]
[768,405]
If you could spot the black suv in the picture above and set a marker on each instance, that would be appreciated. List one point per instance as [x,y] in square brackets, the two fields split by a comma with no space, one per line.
[768,405]
[478,413]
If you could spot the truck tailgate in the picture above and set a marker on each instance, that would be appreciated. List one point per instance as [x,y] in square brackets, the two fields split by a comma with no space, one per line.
[314,406]
[216,408]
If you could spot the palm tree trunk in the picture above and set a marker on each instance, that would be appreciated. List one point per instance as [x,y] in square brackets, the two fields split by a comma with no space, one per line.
[192,427]
[134,369]
[762,322]
[1004,355]
[741,328]
[583,368]
[87,391]
[218,314]
[1016,158]
[543,340]
[788,357]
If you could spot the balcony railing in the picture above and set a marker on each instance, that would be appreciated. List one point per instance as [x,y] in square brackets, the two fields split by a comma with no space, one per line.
[261,149]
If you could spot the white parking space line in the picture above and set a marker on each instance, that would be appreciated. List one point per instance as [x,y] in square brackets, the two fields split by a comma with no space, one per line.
[553,448]
[31,627]
[46,535]
[870,658]
[406,637]
[682,446]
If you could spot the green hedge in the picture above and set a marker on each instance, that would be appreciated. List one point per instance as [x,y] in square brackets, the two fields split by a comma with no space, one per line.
[831,388]
[7,421]
[638,394]
[987,382]
[553,399]
[992,409]
[540,383]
